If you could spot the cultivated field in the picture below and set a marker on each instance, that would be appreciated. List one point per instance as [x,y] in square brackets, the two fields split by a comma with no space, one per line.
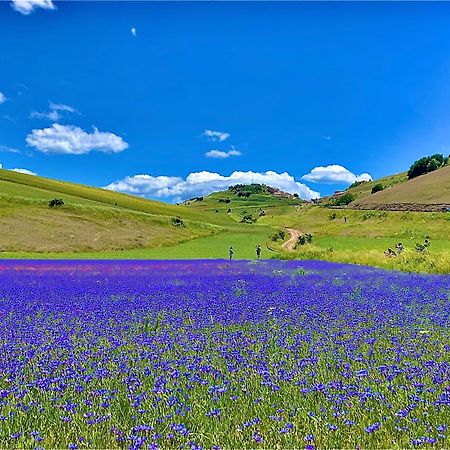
[222,355]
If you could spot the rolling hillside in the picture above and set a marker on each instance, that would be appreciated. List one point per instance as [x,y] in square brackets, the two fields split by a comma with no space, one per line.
[240,202]
[430,192]
[91,219]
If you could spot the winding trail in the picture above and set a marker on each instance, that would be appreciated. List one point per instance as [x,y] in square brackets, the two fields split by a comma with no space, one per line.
[292,241]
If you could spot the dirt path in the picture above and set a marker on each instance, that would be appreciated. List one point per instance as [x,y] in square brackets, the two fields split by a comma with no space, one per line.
[292,241]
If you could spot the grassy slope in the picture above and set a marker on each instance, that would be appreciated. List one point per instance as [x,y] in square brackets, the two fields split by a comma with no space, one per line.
[243,239]
[90,220]
[128,233]
[432,188]
[364,189]
[44,187]
[367,234]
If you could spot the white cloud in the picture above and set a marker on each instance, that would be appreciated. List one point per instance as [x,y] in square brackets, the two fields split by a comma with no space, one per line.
[334,174]
[28,172]
[26,7]
[221,154]
[216,135]
[61,107]
[69,139]
[6,149]
[203,183]
[54,116]
[2,98]
[133,31]
[55,112]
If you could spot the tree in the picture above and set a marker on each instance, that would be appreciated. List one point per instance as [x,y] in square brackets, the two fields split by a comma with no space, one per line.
[433,164]
[344,199]
[377,188]
[426,164]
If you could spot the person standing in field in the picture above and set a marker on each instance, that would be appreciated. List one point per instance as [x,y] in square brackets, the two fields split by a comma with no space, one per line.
[258,251]
[231,252]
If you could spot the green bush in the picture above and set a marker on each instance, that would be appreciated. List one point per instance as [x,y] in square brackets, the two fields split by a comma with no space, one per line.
[377,188]
[56,202]
[279,235]
[248,218]
[177,222]
[305,239]
[344,199]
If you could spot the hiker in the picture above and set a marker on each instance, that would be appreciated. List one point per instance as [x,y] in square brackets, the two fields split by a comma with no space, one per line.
[345,219]
[399,247]
[231,252]
[258,251]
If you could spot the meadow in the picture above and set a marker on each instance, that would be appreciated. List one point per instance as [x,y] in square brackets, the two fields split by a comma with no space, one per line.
[217,354]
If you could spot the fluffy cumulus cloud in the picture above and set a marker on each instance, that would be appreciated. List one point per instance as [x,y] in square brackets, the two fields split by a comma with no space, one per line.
[56,112]
[203,183]
[217,136]
[221,154]
[334,174]
[26,7]
[69,139]
[2,98]
[28,172]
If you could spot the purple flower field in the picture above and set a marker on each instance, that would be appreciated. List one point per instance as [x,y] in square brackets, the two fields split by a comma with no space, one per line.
[211,354]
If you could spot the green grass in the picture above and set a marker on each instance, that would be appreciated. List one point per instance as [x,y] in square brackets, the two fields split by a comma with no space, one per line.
[381,243]
[408,261]
[432,188]
[243,239]
[135,228]
[366,235]
[20,184]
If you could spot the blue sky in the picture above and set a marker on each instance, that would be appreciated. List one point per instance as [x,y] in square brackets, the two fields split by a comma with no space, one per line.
[172,100]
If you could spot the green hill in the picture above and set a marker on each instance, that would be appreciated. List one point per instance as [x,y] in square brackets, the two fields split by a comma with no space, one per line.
[91,219]
[97,223]
[430,192]
[245,203]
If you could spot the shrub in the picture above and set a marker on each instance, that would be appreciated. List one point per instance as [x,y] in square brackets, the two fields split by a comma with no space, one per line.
[248,218]
[305,239]
[344,199]
[357,183]
[177,222]
[332,216]
[56,202]
[377,188]
[423,247]
[279,235]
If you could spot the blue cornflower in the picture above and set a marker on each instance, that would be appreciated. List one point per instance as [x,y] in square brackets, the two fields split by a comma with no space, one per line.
[257,437]
[374,427]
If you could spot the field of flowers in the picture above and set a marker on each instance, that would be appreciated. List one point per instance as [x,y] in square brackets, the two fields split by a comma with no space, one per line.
[209,354]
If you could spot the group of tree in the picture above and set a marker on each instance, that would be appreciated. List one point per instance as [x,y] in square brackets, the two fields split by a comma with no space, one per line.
[427,164]
[344,199]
